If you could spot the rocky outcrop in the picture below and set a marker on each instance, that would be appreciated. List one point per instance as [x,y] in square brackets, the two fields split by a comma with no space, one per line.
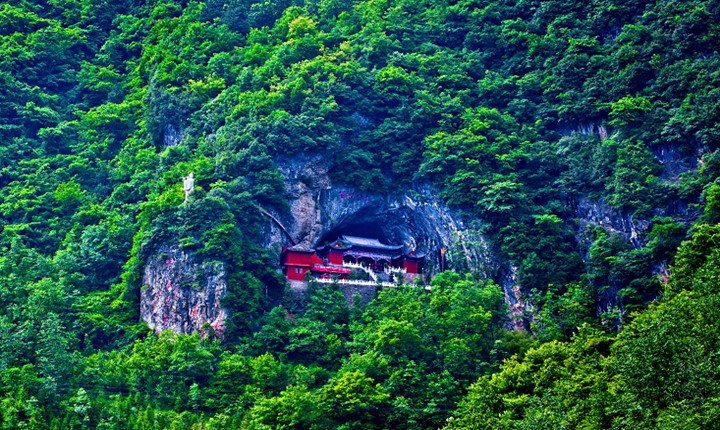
[518,307]
[183,295]
[675,161]
[587,129]
[591,212]
[171,135]
[597,212]
[321,210]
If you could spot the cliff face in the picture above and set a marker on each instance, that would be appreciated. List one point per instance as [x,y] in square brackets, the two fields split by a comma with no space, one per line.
[181,294]
[597,212]
[590,213]
[320,210]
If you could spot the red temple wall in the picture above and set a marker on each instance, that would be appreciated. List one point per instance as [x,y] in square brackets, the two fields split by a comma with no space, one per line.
[297,264]
[296,273]
[335,257]
[411,266]
[299,259]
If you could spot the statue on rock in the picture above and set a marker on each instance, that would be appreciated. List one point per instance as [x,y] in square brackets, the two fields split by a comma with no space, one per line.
[188,185]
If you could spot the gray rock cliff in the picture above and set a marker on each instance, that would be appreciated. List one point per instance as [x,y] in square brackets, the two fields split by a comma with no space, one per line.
[320,210]
[183,295]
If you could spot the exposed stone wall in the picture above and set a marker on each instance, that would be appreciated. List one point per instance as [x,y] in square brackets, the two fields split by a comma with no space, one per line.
[518,307]
[181,294]
[417,218]
[364,293]
[591,213]
[171,135]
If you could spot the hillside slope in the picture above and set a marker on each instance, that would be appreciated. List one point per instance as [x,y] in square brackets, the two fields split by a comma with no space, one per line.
[578,142]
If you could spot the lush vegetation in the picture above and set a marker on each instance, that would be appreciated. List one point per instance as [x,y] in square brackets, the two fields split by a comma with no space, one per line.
[520,112]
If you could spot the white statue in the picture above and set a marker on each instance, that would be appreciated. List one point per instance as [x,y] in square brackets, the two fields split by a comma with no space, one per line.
[188,185]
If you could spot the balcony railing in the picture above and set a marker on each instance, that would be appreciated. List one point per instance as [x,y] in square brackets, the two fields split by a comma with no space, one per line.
[354,282]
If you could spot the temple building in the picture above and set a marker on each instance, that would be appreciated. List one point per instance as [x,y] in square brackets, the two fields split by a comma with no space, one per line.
[336,260]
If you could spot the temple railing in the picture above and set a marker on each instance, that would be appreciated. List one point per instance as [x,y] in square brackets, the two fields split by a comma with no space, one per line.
[364,268]
[390,270]
[387,269]
[359,282]
[354,282]
[372,255]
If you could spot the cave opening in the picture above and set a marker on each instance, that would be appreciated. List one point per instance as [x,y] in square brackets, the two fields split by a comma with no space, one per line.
[369,222]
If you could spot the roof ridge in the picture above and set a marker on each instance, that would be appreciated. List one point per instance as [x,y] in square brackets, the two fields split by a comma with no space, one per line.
[366,241]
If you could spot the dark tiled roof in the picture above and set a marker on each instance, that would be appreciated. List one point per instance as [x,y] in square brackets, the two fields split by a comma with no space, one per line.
[369,243]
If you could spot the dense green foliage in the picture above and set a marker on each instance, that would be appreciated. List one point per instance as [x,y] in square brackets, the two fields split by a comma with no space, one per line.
[659,372]
[518,111]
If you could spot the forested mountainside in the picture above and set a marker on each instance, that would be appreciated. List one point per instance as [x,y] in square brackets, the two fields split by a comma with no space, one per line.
[580,139]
